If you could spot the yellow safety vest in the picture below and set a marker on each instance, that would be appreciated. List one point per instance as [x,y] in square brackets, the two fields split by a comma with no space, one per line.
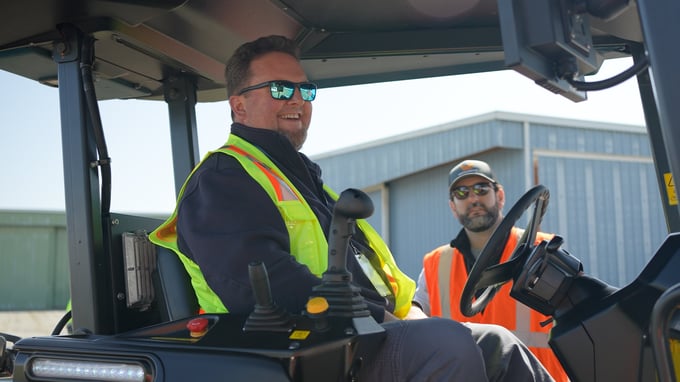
[307,240]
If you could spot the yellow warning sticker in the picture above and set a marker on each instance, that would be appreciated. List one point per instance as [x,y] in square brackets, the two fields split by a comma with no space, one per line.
[670,189]
[299,335]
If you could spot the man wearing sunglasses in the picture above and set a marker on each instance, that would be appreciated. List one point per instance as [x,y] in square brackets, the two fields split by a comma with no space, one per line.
[258,199]
[476,199]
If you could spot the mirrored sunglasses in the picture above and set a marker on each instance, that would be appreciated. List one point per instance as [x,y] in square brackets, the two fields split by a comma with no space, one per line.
[284,90]
[479,189]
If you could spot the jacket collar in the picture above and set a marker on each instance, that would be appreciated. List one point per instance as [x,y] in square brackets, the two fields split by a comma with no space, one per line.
[462,243]
[296,165]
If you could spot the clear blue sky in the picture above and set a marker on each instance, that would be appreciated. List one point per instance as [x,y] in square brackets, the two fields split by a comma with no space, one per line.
[138,134]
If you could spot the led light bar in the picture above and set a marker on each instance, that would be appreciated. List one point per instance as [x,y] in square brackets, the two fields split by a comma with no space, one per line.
[46,368]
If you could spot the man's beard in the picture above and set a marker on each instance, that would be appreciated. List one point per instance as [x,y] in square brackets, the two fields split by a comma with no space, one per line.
[480,223]
[297,139]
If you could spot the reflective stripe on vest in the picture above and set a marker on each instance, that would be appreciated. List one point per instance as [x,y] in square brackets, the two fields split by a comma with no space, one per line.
[523,329]
[282,189]
[444,277]
[372,274]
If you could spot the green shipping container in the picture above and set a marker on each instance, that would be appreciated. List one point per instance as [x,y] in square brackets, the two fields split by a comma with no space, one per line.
[34,271]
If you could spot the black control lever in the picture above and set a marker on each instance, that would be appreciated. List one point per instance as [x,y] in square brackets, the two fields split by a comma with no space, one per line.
[343,298]
[266,315]
[6,359]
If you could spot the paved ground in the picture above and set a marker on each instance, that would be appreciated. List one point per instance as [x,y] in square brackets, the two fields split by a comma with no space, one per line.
[28,324]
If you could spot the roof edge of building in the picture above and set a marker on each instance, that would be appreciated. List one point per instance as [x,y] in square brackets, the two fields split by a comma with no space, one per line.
[480,118]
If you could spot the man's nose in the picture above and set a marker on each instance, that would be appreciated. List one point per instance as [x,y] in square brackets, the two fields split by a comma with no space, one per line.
[473,197]
[297,96]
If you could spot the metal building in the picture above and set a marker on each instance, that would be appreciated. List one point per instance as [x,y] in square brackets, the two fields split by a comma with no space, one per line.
[601,176]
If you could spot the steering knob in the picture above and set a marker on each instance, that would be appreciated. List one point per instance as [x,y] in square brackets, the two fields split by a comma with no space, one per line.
[355,204]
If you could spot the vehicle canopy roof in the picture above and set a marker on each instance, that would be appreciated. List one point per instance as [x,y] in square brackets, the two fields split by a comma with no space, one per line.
[140,44]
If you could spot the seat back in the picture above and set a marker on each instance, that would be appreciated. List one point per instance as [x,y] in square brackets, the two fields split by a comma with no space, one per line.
[175,296]
[157,288]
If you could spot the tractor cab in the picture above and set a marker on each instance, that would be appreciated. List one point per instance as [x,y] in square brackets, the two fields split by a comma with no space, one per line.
[133,314]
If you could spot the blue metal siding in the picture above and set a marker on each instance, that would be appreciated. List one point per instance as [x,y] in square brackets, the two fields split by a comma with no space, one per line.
[591,141]
[510,172]
[376,219]
[400,156]
[607,211]
[420,217]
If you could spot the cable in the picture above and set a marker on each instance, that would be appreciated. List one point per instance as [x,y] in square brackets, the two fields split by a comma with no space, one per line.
[104,161]
[61,324]
[634,70]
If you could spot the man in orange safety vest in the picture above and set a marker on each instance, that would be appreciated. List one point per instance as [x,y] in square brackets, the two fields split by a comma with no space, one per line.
[476,200]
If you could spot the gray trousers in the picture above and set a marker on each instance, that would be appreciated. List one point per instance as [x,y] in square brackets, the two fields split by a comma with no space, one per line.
[438,349]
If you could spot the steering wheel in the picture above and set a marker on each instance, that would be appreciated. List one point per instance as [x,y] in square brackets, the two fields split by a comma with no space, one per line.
[487,275]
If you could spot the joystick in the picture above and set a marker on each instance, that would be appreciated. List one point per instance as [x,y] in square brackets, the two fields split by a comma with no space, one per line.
[266,316]
[343,298]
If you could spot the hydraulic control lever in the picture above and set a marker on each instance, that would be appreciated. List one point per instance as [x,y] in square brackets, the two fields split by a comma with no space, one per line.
[343,298]
[266,315]
[6,358]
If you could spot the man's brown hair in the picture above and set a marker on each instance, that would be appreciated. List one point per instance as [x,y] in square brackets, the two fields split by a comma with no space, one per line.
[237,71]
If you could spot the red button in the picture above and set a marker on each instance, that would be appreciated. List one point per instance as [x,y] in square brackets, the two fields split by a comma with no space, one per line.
[197,326]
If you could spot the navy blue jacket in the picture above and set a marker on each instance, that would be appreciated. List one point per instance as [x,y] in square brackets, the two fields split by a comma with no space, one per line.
[226,221]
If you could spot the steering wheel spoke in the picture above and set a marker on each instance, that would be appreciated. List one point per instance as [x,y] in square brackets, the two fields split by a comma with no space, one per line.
[497,274]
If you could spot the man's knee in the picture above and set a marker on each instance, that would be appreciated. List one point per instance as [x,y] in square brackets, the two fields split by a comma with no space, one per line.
[506,357]
[440,332]
[440,349]
[493,335]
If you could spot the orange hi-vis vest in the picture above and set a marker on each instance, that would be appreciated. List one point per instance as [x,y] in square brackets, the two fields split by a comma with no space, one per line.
[503,310]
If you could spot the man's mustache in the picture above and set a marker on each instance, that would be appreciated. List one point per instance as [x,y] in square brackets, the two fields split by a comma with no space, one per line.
[476,204]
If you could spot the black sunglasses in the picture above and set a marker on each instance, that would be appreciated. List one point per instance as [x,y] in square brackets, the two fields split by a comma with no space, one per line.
[479,189]
[284,90]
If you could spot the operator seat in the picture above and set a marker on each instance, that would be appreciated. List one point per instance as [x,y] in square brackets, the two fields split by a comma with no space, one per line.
[172,284]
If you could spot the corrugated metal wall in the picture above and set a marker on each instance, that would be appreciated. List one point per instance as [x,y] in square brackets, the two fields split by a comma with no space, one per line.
[34,261]
[389,159]
[604,196]
[378,211]
[607,210]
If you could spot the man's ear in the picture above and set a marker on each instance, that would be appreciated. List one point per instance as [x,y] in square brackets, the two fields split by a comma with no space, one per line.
[500,195]
[238,109]
[452,206]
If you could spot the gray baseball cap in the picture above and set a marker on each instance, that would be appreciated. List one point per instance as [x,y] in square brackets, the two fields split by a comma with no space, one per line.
[469,168]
